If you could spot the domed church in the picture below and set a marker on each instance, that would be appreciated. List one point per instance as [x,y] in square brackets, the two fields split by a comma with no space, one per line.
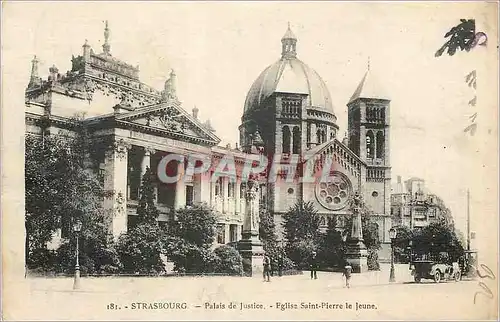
[288,115]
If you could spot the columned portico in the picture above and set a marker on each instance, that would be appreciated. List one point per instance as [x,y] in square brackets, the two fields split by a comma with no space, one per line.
[115,180]
[180,186]
[146,159]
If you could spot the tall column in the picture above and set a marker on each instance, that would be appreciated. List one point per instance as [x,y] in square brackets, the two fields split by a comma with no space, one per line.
[279,138]
[314,138]
[180,187]
[115,179]
[227,232]
[146,163]
[250,246]
[225,194]
[146,159]
[237,196]
[356,253]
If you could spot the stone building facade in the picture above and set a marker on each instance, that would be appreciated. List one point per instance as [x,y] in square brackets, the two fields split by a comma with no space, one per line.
[288,115]
[413,206]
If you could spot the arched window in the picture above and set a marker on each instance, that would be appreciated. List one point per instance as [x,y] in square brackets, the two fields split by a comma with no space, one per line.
[286,139]
[380,145]
[318,136]
[324,136]
[369,144]
[296,140]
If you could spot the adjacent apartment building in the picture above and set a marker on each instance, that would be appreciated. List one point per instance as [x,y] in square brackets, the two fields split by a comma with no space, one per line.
[414,206]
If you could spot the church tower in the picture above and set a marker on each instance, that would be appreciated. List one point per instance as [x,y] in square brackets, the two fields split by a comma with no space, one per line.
[288,111]
[288,108]
[368,117]
[368,137]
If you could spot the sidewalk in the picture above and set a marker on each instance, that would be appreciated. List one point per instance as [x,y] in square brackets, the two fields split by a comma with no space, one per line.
[371,278]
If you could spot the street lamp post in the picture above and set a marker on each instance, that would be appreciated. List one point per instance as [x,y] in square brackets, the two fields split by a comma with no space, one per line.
[410,248]
[77,227]
[392,235]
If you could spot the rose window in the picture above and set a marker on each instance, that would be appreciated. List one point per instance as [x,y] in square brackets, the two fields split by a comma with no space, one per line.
[334,194]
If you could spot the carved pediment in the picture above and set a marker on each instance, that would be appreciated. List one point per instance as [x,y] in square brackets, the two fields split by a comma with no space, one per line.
[169,119]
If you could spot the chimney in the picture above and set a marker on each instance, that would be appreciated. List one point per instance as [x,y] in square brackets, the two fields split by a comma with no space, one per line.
[53,73]
[86,51]
[173,85]
[195,112]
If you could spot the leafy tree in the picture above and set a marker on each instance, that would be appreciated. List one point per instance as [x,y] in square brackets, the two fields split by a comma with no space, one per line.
[60,187]
[401,243]
[96,257]
[267,234]
[141,247]
[301,222]
[461,37]
[438,238]
[147,212]
[196,225]
[332,248]
[190,239]
[228,261]
[301,225]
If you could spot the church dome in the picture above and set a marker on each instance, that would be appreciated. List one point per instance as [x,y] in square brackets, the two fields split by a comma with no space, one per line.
[289,75]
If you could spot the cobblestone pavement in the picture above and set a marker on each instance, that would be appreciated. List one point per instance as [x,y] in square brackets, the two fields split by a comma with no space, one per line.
[289,297]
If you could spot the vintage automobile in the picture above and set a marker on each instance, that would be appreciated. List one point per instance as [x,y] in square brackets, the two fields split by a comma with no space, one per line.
[428,269]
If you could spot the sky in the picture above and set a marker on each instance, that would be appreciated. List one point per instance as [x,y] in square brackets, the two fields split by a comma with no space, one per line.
[219,48]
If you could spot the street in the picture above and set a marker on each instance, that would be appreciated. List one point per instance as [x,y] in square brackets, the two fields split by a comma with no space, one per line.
[289,297]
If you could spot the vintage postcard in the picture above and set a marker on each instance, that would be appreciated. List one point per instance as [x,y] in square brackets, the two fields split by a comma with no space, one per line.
[249,160]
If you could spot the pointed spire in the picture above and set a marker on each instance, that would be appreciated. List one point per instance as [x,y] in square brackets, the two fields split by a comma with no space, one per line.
[173,84]
[289,44]
[369,87]
[106,47]
[34,68]
[169,90]
[86,50]
[345,140]
[195,112]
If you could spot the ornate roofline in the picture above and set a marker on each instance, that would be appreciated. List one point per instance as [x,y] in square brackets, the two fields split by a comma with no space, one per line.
[162,105]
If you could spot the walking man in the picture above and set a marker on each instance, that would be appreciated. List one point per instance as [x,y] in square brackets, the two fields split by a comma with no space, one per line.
[347,273]
[267,268]
[314,266]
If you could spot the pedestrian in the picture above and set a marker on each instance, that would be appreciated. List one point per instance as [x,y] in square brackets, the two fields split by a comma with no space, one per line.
[313,263]
[267,268]
[347,273]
